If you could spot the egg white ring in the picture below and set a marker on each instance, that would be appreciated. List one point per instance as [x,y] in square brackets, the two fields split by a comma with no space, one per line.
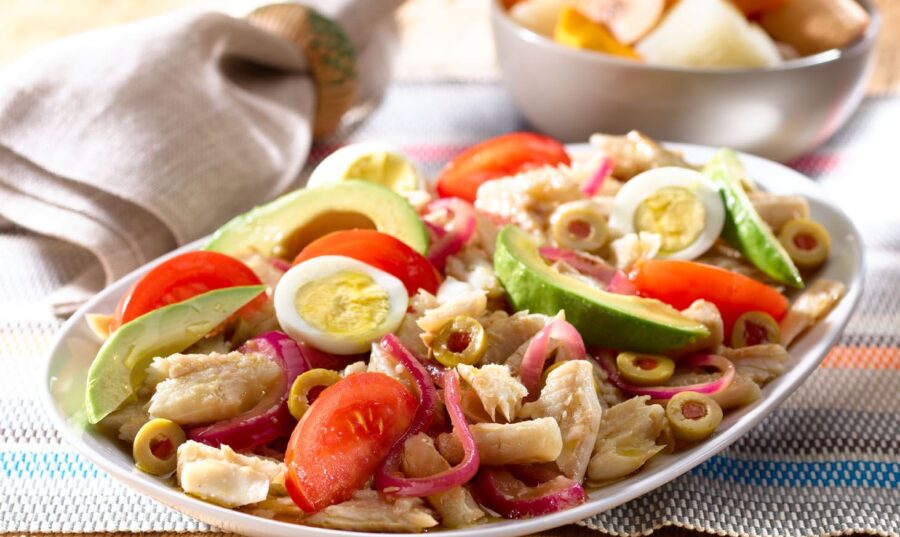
[332,169]
[644,185]
[318,267]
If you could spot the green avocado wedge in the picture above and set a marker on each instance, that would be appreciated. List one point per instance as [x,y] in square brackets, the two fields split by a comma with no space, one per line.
[604,319]
[744,229]
[281,228]
[121,363]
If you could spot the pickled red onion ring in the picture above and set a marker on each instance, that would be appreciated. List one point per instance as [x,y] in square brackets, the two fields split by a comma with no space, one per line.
[536,353]
[664,393]
[498,490]
[595,183]
[270,419]
[457,232]
[386,479]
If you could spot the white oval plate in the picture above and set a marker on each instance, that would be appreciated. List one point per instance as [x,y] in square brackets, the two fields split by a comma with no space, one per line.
[75,347]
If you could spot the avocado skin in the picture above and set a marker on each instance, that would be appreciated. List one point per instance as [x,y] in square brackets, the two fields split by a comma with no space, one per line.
[600,325]
[258,228]
[744,229]
[121,363]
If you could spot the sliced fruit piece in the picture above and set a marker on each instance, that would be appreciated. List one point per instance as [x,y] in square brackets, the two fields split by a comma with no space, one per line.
[577,31]
[344,437]
[507,154]
[744,229]
[603,319]
[281,228]
[681,283]
[813,26]
[180,278]
[755,7]
[380,250]
[538,15]
[121,364]
[367,161]
[708,33]
[628,20]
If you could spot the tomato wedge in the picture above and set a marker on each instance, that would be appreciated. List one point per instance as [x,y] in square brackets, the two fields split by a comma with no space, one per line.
[180,278]
[680,283]
[343,438]
[498,157]
[380,250]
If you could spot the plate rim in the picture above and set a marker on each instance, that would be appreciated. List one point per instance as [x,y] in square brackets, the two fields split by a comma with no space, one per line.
[238,521]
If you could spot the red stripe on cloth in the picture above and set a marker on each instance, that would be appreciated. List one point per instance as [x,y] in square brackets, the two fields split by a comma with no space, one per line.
[879,358]
[424,153]
[815,163]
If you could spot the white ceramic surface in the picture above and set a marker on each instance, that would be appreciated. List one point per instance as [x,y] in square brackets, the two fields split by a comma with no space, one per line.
[778,112]
[75,347]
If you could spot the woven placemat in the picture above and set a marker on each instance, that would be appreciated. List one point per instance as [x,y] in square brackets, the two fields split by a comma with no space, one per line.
[443,40]
[825,463]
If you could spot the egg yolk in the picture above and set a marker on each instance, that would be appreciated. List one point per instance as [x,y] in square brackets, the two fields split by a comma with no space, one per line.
[343,303]
[675,214]
[384,168]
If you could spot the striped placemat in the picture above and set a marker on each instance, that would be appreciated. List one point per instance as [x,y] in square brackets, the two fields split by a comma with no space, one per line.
[826,463]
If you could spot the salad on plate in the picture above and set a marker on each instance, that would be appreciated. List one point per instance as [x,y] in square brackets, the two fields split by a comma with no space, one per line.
[379,352]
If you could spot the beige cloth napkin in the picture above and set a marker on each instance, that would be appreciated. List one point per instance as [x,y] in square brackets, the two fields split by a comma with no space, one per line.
[133,140]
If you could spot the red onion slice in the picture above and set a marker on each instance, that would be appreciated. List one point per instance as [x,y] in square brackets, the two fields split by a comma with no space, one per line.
[279,264]
[498,490]
[595,183]
[621,285]
[387,481]
[589,265]
[664,393]
[536,354]
[270,419]
[457,232]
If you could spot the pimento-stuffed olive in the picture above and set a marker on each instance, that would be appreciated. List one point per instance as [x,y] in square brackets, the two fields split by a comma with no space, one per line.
[806,241]
[156,446]
[754,328]
[693,416]
[461,341]
[644,369]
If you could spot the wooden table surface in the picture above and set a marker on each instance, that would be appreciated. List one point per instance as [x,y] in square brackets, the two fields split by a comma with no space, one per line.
[428,28]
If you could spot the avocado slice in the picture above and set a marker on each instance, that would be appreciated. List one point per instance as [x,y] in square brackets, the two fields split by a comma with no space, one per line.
[604,319]
[281,228]
[744,229]
[121,364]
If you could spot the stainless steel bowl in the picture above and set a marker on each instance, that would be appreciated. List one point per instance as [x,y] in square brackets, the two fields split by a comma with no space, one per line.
[777,112]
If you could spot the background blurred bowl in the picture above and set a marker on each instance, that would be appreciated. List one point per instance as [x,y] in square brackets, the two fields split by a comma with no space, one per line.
[778,112]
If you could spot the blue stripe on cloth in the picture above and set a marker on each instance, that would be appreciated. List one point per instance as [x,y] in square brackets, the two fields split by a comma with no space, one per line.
[769,473]
[848,473]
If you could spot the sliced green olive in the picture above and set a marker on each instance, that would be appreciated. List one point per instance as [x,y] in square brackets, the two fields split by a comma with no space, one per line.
[693,416]
[644,369]
[155,447]
[754,328]
[579,225]
[461,341]
[298,399]
[807,242]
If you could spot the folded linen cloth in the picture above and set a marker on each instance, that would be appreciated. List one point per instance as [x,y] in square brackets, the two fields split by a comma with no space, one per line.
[133,140]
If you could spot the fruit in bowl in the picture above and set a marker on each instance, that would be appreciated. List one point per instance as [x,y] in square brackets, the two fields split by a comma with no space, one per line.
[697,33]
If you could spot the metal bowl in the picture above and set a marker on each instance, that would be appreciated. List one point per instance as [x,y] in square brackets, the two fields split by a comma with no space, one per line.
[778,112]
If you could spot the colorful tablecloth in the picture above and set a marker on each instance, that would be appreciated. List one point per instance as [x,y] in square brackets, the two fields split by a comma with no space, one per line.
[826,463]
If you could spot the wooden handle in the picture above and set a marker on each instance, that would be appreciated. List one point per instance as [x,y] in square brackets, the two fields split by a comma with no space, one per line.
[329,52]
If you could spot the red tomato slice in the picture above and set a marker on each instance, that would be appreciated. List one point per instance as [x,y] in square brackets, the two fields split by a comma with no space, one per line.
[180,278]
[380,250]
[344,436]
[680,283]
[504,155]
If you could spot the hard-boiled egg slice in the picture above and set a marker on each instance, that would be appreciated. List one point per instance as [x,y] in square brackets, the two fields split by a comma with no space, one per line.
[679,204]
[368,161]
[338,304]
